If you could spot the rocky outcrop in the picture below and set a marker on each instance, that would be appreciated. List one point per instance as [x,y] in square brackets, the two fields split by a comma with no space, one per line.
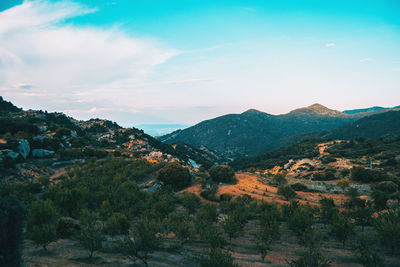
[41,153]
[24,148]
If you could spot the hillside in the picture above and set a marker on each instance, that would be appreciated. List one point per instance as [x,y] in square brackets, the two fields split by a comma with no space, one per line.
[35,143]
[253,132]
[379,129]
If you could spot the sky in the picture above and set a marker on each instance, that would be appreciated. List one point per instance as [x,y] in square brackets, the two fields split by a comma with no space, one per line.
[181,62]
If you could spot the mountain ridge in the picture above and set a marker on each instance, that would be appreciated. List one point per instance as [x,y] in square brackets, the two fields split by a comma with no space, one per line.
[252,132]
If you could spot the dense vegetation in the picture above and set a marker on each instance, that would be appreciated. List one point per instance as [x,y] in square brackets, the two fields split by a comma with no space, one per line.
[100,199]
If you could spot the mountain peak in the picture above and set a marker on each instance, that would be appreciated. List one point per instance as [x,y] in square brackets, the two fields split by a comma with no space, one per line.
[253,111]
[317,109]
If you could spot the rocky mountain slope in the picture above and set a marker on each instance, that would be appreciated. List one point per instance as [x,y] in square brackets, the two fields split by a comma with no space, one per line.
[35,143]
[253,132]
[376,136]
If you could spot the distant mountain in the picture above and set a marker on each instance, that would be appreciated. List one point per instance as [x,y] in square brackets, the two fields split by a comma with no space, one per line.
[160,129]
[375,108]
[382,129]
[373,126]
[253,132]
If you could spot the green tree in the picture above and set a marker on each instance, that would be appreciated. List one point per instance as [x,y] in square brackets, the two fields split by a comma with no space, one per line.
[90,236]
[388,228]
[222,173]
[233,226]
[117,224]
[42,223]
[142,241]
[342,228]
[182,227]
[300,221]
[12,218]
[190,201]
[216,257]
[287,192]
[175,175]
[269,228]
[310,258]
[367,254]
[328,209]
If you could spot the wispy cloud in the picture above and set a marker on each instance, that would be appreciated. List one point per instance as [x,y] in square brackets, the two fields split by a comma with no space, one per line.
[40,52]
[396,69]
[330,44]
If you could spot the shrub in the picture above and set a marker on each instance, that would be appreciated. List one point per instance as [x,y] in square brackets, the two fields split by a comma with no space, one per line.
[279,179]
[312,257]
[388,228]
[90,236]
[365,175]
[287,192]
[190,201]
[67,227]
[117,224]
[143,241]
[42,223]
[216,257]
[324,176]
[299,187]
[222,173]
[387,187]
[175,175]
[342,228]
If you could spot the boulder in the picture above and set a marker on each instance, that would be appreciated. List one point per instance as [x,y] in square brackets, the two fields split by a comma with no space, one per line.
[41,153]
[24,148]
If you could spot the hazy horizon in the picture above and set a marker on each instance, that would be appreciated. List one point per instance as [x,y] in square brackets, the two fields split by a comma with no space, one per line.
[174,62]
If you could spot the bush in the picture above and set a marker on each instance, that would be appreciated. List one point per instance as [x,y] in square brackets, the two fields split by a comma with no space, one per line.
[216,257]
[190,201]
[66,227]
[117,224]
[287,192]
[279,179]
[324,176]
[387,187]
[175,175]
[388,228]
[90,236]
[299,187]
[222,173]
[209,193]
[42,223]
[365,175]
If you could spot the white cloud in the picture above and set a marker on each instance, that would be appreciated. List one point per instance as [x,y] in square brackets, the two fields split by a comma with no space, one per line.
[65,62]
[396,69]
[368,59]
[330,44]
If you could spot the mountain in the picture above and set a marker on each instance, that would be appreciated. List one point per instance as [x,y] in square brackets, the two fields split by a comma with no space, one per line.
[253,132]
[373,126]
[160,129]
[382,132]
[371,109]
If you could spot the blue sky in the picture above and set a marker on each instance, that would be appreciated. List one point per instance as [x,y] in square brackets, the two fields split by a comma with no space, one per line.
[181,62]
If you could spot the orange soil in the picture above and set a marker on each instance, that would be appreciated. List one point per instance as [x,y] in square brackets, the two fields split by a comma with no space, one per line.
[251,185]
